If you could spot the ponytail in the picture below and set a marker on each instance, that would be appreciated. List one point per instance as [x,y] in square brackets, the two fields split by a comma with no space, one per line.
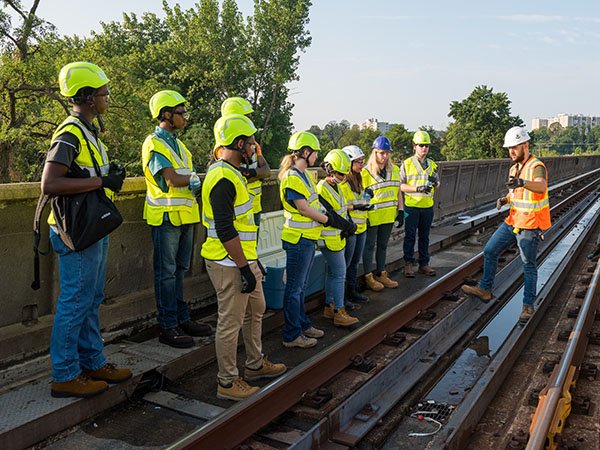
[287,162]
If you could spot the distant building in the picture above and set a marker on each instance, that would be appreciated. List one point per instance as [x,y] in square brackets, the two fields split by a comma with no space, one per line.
[566,120]
[375,125]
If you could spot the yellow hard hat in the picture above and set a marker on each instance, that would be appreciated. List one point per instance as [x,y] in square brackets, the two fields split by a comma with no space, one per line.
[236,105]
[162,99]
[339,161]
[303,139]
[231,126]
[421,137]
[80,74]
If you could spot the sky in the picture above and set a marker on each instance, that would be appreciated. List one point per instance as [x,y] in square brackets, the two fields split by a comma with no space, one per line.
[405,61]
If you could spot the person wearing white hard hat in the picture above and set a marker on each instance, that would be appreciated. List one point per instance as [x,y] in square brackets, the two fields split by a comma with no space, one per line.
[529,216]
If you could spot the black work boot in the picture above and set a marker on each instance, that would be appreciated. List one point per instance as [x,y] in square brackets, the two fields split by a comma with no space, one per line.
[355,296]
[195,329]
[175,337]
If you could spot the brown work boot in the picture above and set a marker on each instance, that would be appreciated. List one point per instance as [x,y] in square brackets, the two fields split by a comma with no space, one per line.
[408,270]
[238,390]
[372,283]
[266,370]
[328,312]
[82,386]
[342,318]
[108,373]
[427,270]
[526,314]
[385,280]
[478,292]
[301,341]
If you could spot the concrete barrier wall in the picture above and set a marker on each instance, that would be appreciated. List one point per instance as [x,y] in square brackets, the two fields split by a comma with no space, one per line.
[129,300]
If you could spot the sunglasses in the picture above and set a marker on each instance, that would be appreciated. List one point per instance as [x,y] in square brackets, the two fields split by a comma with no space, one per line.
[423,145]
[184,114]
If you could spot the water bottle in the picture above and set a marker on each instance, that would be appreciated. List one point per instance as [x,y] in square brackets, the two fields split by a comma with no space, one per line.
[194,181]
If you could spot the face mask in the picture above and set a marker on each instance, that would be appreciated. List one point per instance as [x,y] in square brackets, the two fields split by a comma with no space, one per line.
[336,180]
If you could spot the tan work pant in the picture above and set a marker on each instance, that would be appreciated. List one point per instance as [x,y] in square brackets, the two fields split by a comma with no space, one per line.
[236,310]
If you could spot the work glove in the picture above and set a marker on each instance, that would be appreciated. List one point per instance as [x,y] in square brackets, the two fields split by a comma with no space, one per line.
[369,193]
[335,221]
[515,182]
[400,218]
[362,207]
[248,279]
[117,169]
[424,189]
[501,202]
[112,181]
[433,180]
[248,173]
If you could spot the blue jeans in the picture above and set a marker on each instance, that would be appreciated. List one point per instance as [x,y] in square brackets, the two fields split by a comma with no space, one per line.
[172,254]
[355,245]
[417,219]
[299,261]
[527,240]
[76,342]
[336,275]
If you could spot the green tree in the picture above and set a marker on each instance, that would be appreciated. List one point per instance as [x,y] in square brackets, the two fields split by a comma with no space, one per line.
[334,131]
[401,140]
[480,122]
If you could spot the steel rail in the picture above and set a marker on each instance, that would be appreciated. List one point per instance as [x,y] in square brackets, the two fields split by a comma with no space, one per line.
[572,357]
[245,418]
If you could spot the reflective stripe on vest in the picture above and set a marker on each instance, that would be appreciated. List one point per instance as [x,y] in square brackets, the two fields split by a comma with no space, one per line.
[354,198]
[243,222]
[178,200]
[385,195]
[296,225]
[416,176]
[529,210]
[332,236]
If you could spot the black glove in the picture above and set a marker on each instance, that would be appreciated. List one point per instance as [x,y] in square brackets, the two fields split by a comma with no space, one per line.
[112,181]
[515,182]
[117,169]
[432,179]
[362,207]
[400,218]
[424,189]
[248,173]
[501,202]
[248,279]
[369,192]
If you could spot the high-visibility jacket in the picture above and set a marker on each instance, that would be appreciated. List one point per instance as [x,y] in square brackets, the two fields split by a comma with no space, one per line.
[331,237]
[296,225]
[385,195]
[354,198]
[89,147]
[528,210]
[416,176]
[178,200]
[243,222]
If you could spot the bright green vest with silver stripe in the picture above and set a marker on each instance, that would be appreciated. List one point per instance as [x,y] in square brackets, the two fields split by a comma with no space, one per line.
[331,237]
[353,198]
[385,195]
[243,222]
[95,149]
[296,225]
[416,176]
[176,199]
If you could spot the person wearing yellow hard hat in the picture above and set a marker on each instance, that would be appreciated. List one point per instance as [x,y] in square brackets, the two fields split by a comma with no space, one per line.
[419,178]
[258,169]
[232,261]
[333,239]
[171,210]
[381,180]
[77,162]
[304,220]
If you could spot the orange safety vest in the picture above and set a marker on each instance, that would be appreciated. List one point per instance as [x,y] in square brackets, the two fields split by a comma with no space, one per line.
[528,210]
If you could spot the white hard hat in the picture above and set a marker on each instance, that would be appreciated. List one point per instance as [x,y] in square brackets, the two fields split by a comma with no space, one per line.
[353,152]
[515,136]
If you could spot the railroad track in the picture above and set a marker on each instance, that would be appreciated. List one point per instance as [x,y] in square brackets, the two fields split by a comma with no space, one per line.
[382,361]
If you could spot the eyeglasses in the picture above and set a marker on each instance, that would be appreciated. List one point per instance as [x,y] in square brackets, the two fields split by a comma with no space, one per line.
[107,94]
[184,114]
[423,145]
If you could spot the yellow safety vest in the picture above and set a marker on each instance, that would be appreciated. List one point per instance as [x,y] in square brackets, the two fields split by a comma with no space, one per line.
[331,237]
[179,202]
[296,225]
[213,248]
[385,195]
[95,149]
[416,176]
[353,198]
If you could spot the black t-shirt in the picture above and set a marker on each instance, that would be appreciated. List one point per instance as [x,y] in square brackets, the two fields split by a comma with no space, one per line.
[65,147]
[222,199]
